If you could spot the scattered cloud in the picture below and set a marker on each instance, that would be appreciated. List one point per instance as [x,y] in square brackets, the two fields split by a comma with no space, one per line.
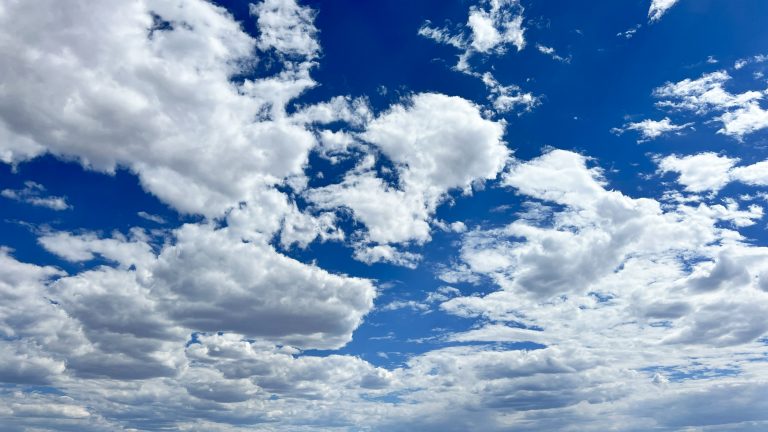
[710,172]
[740,114]
[437,144]
[629,33]
[492,27]
[34,193]
[551,52]
[659,8]
[652,129]
[152,217]
[570,305]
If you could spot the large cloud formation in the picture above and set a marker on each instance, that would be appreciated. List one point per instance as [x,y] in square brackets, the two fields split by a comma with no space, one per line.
[599,310]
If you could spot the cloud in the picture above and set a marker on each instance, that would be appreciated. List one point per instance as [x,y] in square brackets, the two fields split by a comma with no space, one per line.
[701,172]
[629,33]
[593,254]
[151,217]
[162,98]
[652,129]
[286,27]
[740,114]
[437,144]
[492,26]
[33,193]
[507,98]
[587,309]
[599,271]
[759,58]
[709,171]
[212,281]
[387,254]
[551,52]
[659,8]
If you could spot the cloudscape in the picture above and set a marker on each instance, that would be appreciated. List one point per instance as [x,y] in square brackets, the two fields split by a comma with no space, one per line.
[339,215]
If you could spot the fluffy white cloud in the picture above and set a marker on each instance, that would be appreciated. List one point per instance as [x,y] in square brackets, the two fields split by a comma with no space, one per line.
[605,259]
[437,143]
[659,8]
[740,114]
[701,172]
[211,281]
[159,95]
[286,27]
[711,172]
[201,328]
[84,247]
[620,290]
[492,26]
[652,129]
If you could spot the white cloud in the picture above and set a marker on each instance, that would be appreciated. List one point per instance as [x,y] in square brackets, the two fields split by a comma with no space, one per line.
[740,114]
[629,33]
[507,98]
[437,144]
[202,329]
[387,254]
[652,129]
[33,193]
[494,28]
[161,98]
[286,27]
[618,288]
[745,120]
[492,25]
[711,172]
[601,238]
[151,217]
[701,172]
[211,281]
[659,8]
[759,58]
[75,248]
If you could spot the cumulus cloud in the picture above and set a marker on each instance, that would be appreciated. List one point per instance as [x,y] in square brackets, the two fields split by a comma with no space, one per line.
[437,144]
[652,129]
[601,311]
[213,282]
[709,171]
[603,268]
[160,96]
[659,8]
[491,27]
[740,114]
[594,309]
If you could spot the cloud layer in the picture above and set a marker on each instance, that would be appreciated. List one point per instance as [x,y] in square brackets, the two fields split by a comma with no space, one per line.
[540,292]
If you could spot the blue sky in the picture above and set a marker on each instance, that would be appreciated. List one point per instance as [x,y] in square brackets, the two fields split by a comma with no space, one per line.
[383,216]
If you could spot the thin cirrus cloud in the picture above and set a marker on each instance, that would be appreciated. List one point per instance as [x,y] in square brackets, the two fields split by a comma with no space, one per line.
[307,255]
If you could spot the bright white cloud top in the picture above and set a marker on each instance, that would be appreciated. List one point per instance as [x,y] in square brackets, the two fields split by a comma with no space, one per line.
[440,253]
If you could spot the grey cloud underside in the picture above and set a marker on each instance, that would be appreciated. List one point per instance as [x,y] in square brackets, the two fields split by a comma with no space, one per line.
[638,304]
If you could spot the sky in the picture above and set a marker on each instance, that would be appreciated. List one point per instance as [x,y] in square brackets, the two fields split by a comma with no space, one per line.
[338,215]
